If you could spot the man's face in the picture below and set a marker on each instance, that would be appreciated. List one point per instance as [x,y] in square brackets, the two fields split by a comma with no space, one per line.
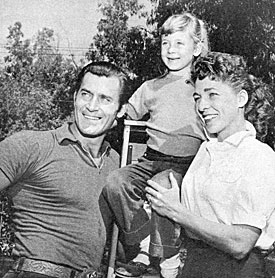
[177,50]
[96,104]
[218,106]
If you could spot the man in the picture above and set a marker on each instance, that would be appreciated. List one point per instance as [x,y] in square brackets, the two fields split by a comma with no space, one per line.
[55,179]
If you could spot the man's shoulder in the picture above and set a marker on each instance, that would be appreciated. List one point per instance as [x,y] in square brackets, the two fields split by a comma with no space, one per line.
[30,136]
[29,141]
[24,147]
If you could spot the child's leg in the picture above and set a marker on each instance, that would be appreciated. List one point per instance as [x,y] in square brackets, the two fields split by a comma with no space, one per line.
[165,234]
[163,244]
[169,267]
[143,255]
[125,194]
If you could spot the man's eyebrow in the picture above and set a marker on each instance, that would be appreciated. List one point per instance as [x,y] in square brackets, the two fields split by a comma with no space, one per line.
[105,96]
[86,90]
[100,95]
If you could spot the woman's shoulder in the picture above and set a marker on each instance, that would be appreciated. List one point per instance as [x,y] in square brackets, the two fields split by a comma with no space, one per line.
[258,153]
[259,147]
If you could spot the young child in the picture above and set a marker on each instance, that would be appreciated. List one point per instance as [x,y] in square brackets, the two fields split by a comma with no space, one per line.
[175,136]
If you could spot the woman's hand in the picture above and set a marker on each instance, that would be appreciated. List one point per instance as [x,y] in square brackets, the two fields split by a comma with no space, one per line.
[164,201]
[236,240]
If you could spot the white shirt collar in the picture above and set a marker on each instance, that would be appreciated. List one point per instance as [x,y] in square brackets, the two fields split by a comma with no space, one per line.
[236,138]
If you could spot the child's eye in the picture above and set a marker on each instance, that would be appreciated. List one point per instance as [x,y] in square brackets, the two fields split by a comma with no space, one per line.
[211,95]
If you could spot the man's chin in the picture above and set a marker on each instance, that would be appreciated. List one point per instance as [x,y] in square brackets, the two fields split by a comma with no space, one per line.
[92,134]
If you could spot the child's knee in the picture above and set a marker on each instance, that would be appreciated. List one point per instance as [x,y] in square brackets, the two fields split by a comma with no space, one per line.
[162,178]
[115,180]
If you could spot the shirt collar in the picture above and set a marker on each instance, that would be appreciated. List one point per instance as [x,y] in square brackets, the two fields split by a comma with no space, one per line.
[67,131]
[64,132]
[236,138]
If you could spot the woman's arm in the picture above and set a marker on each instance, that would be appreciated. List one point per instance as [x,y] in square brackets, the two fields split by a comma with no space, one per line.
[236,240]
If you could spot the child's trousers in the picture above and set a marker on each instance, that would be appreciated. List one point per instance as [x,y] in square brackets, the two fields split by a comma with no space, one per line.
[125,194]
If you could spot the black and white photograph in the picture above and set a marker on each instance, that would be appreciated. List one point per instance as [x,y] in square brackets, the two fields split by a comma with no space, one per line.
[137,139]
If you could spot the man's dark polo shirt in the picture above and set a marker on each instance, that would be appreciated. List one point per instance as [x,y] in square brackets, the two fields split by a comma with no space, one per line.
[55,190]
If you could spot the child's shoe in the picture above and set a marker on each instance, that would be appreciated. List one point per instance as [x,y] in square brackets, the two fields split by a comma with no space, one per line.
[169,267]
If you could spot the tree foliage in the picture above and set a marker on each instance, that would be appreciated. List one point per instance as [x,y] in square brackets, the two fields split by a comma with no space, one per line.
[35,83]
[111,40]
[243,27]
[130,47]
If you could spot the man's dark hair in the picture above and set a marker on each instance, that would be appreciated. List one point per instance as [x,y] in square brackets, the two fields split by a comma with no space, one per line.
[106,69]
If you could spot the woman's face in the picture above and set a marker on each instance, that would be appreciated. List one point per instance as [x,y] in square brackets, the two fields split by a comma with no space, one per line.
[220,107]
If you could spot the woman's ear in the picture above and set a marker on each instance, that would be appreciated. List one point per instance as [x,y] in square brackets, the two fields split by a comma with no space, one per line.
[242,98]
[197,49]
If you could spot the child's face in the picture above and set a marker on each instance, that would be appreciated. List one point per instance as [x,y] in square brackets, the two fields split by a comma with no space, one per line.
[177,51]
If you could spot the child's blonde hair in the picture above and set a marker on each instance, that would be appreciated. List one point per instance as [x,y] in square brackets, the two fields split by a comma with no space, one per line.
[187,21]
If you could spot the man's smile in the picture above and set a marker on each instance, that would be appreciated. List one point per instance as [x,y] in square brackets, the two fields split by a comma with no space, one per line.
[91,117]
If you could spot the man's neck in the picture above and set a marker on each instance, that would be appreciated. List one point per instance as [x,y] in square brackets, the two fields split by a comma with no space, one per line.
[91,144]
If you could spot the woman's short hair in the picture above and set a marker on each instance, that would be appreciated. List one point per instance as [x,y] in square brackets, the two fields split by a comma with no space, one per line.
[232,69]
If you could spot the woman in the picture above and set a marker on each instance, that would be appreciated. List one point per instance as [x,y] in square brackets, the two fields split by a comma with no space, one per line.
[226,205]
